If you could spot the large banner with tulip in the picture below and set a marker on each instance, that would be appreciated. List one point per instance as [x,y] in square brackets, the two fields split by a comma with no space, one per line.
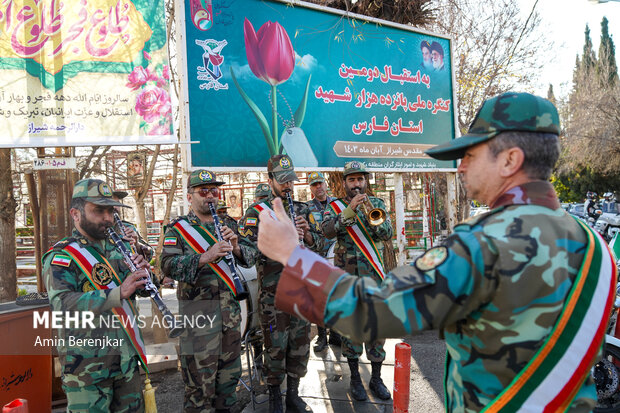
[269,77]
[84,72]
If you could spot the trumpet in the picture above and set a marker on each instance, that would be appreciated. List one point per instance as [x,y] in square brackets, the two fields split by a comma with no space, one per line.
[176,329]
[374,216]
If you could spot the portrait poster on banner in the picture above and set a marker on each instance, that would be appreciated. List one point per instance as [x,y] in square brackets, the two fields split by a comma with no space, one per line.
[136,166]
[82,73]
[269,77]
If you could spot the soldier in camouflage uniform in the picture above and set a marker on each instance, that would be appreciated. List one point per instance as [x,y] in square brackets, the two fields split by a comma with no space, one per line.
[287,338]
[210,362]
[95,378]
[504,290]
[349,257]
[317,205]
[225,219]
[262,192]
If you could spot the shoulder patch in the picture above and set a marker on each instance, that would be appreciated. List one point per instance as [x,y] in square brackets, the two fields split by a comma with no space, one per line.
[246,232]
[250,221]
[170,241]
[61,260]
[432,258]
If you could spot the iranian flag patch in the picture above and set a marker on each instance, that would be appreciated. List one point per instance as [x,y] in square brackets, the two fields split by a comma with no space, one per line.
[62,260]
[170,241]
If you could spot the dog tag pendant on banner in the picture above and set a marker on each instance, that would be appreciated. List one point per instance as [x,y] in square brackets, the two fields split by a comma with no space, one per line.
[297,147]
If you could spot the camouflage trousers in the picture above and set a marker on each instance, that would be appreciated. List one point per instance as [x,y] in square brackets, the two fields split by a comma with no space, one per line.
[211,372]
[121,393]
[374,350]
[287,342]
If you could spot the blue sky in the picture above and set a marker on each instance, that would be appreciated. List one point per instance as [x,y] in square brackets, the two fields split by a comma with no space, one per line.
[564,22]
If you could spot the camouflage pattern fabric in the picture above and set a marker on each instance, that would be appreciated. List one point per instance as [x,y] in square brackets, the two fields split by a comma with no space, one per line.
[494,290]
[349,257]
[116,394]
[346,254]
[91,367]
[317,209]
[210,361]
[287,338]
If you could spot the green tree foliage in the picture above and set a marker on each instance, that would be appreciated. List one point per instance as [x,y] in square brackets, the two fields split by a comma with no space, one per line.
[416,13]
[590,157]
[608,70]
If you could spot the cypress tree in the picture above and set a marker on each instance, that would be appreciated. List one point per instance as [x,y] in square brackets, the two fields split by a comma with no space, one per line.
[606,67]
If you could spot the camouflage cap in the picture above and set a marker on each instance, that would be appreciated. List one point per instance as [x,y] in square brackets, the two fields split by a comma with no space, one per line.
[314,177]
[354,167]
[262,190]
[95,191]
[221,204]
[282,168]
[520,112]
[203,177]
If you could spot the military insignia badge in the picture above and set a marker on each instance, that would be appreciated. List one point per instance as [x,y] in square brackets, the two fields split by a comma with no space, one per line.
[355,165]
[101,274]
[205,176]
[432,258]
[104,189]
[62,260]
[314,175]
[250,221]
[170,241]
[87,287]
[83,241]
[285,162]
[245,233]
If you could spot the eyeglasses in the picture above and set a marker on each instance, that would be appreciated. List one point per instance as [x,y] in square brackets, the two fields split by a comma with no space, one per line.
[203,192]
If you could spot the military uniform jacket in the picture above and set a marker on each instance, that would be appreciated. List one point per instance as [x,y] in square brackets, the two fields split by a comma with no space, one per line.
[495,290]
[70,290]
[316,217]
[268,271]
[199,284]
[346,254]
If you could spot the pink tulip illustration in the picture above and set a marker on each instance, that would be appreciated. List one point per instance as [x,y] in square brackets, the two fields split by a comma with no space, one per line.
[271,58]
[270,52]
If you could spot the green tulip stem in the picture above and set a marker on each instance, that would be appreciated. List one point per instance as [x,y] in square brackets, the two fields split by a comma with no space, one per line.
[274,116]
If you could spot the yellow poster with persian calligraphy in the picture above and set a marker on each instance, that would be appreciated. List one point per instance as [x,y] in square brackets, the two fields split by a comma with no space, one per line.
[84,72]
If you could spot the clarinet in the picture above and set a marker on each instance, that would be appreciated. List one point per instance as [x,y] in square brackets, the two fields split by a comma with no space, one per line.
[175,329]
[291,211]
[241,292]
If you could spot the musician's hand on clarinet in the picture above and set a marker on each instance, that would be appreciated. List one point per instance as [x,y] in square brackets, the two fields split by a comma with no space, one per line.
[134,281]
[131,236]
[215,252]
[277,239]
[140,262]
[303,225]
[230,236]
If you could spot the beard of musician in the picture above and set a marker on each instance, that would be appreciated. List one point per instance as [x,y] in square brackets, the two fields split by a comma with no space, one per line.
[91,220]
[355,184]
[279,190]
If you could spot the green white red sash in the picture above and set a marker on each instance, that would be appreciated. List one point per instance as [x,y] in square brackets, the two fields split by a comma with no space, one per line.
[262,206]
[200,239]
[86,258]
[361,237]
[551,380]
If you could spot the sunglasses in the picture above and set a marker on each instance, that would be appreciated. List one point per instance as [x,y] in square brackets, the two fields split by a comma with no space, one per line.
[203,192]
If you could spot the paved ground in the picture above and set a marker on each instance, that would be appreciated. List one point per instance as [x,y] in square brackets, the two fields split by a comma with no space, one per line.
[325,387]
